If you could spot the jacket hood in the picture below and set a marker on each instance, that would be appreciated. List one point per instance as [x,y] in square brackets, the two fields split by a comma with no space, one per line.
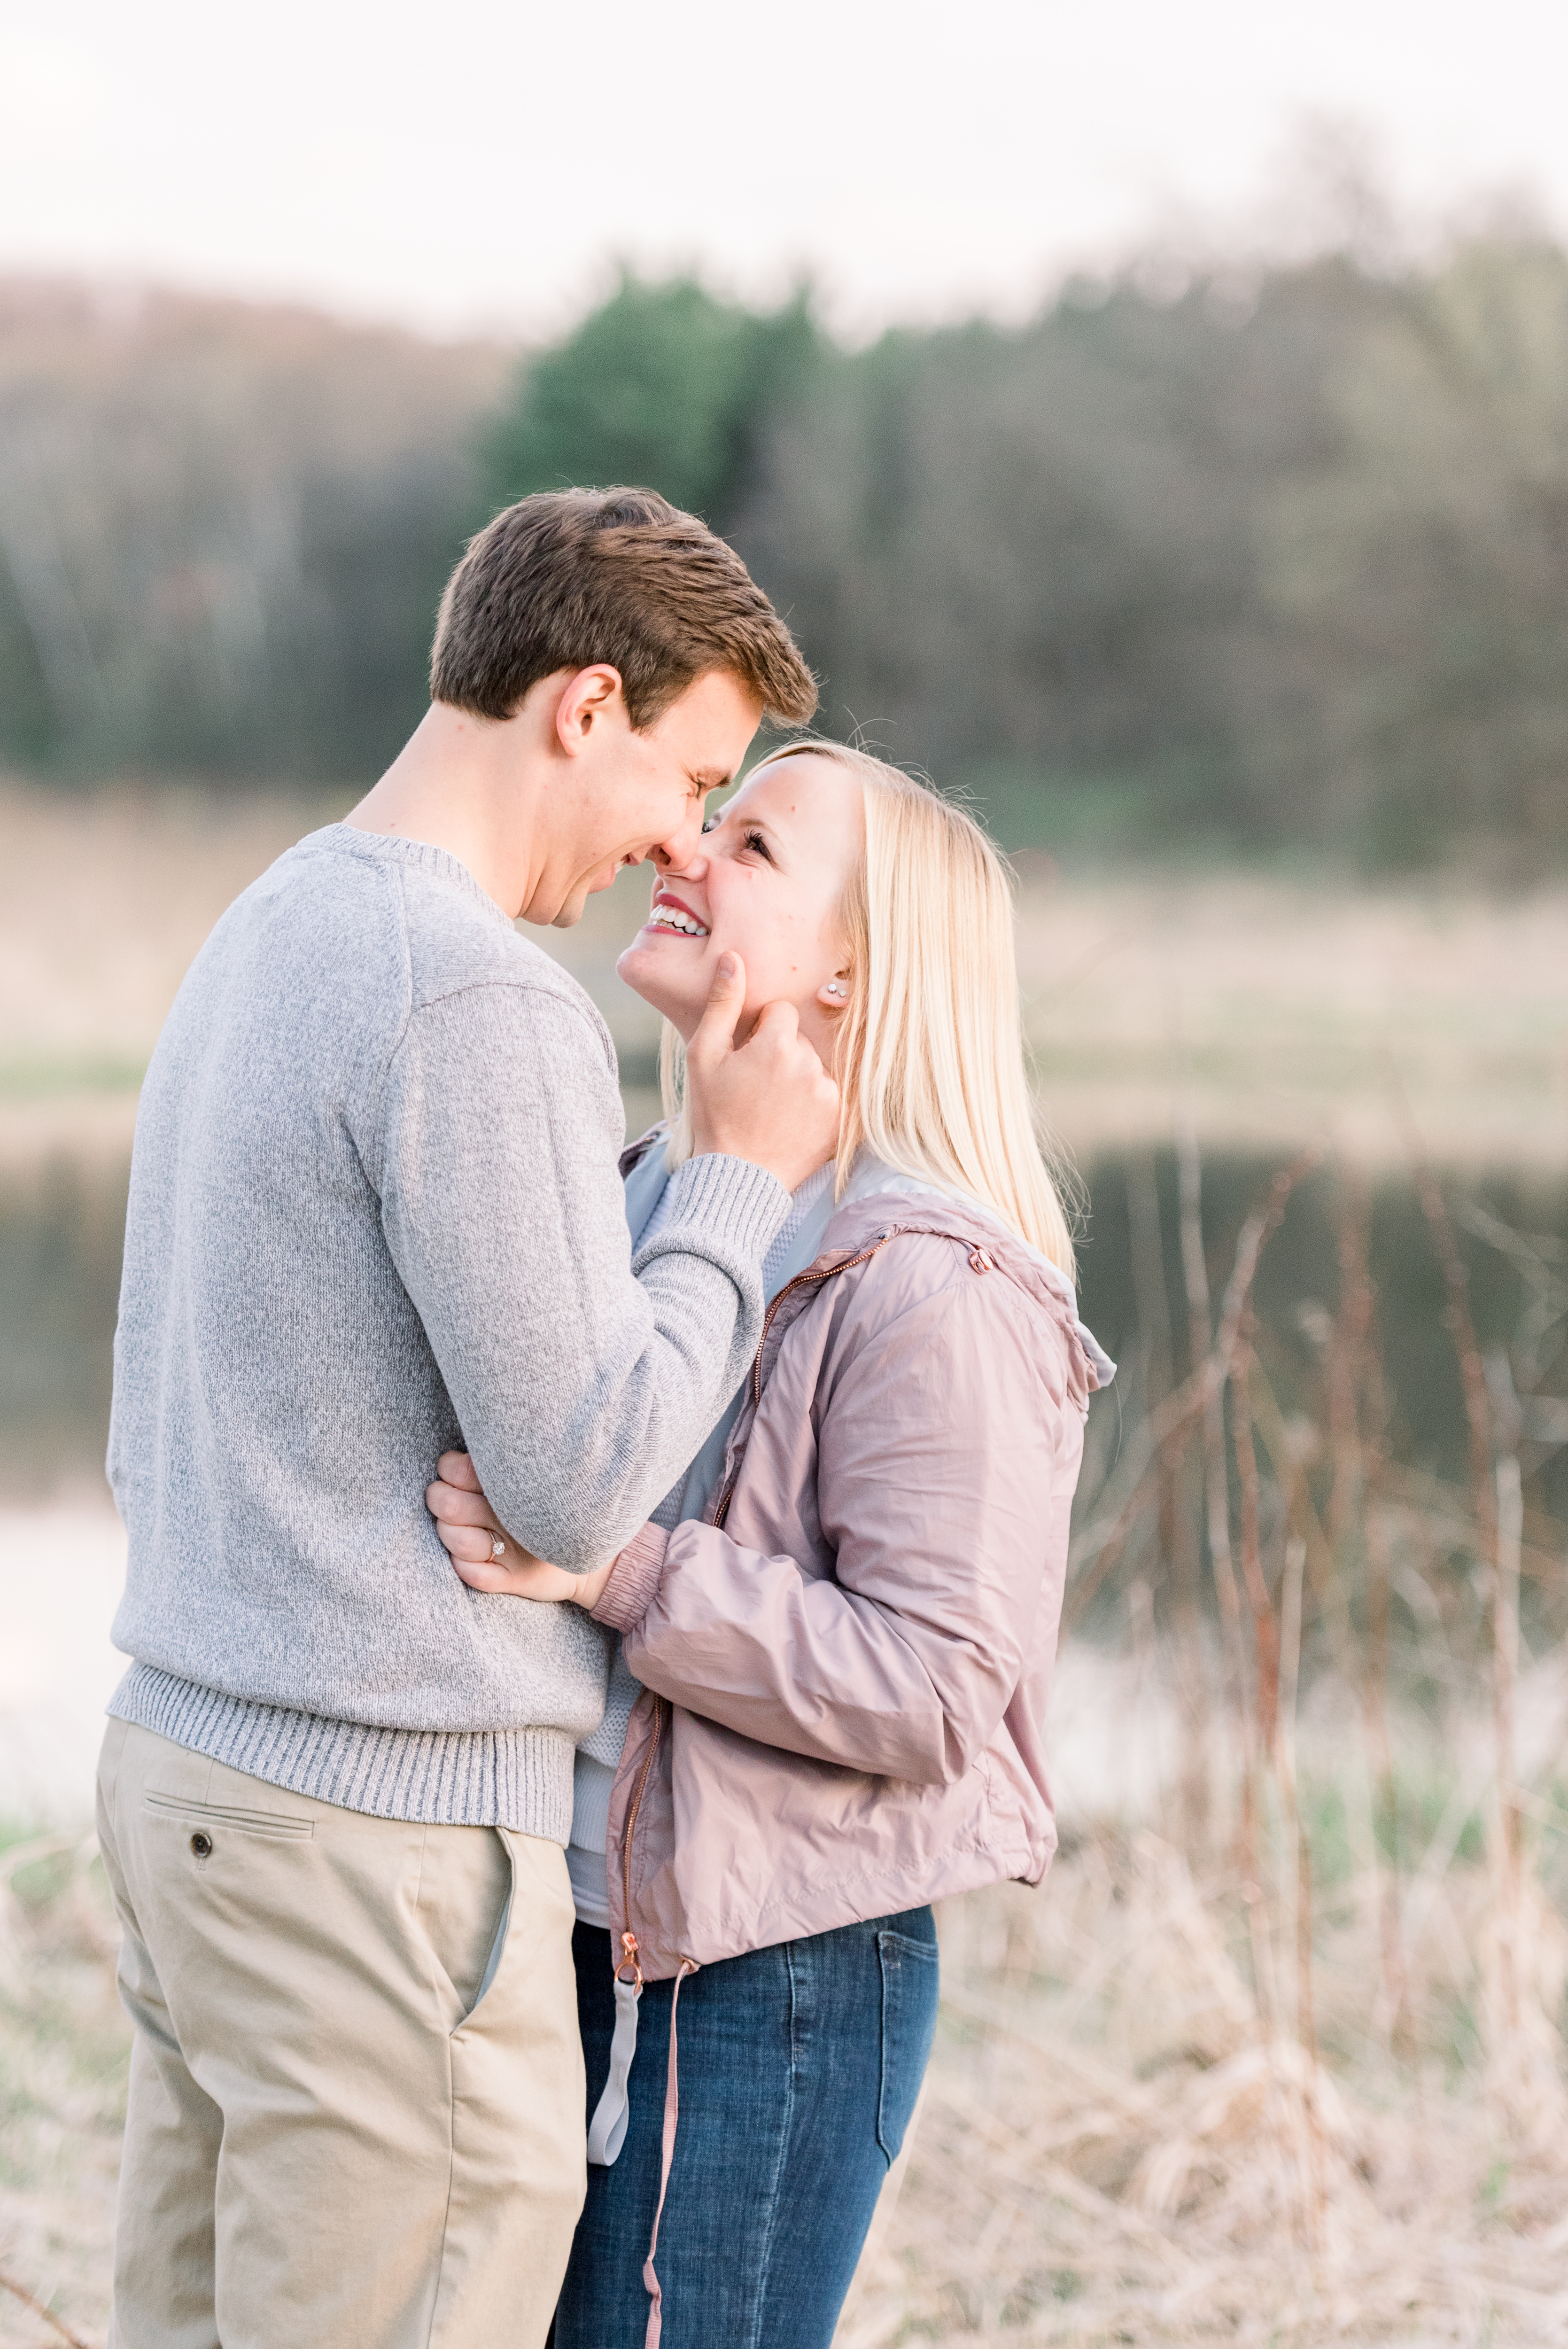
[860,1227]
[860,1222]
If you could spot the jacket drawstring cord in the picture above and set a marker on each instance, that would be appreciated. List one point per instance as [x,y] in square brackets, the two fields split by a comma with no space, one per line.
[671,2115]
[607,2130]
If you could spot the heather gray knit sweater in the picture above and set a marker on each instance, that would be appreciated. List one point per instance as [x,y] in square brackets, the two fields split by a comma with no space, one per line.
[375,1212]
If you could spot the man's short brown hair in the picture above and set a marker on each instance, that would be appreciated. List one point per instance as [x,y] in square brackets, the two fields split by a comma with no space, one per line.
[574,577]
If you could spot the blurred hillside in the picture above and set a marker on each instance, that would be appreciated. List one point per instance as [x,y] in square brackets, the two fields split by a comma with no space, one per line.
[1280,564]
[224,529]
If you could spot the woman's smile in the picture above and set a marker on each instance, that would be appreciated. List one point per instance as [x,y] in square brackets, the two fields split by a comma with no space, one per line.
[671,912]
[768,880]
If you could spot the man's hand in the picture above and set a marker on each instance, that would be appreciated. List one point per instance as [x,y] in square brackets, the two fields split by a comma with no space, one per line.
[470,1532]
[769,1100]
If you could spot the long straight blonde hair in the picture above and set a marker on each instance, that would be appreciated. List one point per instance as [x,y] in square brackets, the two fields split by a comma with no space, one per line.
[929,1057]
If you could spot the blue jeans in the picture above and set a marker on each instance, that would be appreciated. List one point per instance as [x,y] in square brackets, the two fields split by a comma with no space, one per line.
[799,2066]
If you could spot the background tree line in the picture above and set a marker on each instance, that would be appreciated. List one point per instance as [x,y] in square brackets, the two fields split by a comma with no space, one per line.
[1282,565]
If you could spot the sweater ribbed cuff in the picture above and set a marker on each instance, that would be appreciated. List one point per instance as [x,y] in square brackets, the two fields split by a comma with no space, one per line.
[633,1578]
[727,1199]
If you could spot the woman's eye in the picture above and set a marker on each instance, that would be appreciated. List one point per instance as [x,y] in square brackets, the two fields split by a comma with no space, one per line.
[755,839]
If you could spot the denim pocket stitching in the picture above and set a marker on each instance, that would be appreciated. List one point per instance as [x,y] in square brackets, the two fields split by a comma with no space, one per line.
[901,1947]
[275,1825]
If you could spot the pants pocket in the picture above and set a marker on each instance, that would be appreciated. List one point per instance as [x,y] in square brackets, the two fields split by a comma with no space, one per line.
[910,1982]
[277,1827]
[498,1939]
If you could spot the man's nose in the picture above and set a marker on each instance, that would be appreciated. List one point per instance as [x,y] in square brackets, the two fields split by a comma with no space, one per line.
[682,852]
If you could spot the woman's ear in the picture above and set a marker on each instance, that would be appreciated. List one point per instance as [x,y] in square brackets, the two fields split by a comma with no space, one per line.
[835,993]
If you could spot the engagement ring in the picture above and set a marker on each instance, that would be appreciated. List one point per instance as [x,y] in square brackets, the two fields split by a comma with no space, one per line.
[498,1548]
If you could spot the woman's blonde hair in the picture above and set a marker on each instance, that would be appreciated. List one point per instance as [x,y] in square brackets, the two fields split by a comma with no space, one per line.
[930,1060]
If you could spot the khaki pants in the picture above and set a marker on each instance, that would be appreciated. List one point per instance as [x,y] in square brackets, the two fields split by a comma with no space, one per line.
[356,2095]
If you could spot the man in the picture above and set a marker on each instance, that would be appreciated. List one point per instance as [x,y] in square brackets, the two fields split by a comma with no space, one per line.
[375,1213]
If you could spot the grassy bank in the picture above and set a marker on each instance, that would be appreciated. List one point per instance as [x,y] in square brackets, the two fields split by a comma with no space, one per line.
[1164,2107]
[64,2046]
[1260,1009]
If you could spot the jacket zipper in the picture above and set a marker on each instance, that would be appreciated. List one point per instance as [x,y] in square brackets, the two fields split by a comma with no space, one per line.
[805,1280]
[802,1280]
[979,1261]
[629,1939]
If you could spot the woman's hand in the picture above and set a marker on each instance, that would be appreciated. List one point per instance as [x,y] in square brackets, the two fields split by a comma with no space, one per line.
[484,1554]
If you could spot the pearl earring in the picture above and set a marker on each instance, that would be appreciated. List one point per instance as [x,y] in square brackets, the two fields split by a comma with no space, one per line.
[835,987]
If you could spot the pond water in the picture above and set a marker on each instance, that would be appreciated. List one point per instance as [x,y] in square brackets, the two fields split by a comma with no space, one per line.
[61,1550]
[61,1228]
[1134,1208]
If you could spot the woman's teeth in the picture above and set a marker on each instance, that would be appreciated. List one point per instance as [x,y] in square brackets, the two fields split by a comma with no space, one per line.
[670,918]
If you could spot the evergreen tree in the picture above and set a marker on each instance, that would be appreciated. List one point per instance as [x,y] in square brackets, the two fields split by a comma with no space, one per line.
[664,386]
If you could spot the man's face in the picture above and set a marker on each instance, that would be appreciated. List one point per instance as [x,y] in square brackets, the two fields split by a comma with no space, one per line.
[638,796]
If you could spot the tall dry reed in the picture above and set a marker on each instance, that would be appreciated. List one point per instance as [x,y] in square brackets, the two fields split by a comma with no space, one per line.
[1280,2061]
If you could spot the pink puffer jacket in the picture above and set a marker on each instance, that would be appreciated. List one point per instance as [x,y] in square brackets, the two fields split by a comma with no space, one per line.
[845,1673]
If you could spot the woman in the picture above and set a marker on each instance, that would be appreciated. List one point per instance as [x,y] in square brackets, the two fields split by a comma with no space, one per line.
[837,1633]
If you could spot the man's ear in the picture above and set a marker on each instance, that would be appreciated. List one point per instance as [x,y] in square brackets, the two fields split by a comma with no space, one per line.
[593,697]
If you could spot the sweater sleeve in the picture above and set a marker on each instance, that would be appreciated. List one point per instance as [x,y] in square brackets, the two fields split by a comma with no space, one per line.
[904,1662]
[581,1391]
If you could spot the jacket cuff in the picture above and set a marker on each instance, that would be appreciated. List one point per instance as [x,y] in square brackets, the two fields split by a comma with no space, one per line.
[633,1580]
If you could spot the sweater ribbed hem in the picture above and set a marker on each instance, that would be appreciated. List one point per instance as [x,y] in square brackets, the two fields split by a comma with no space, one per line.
[628,1591]
[518,1778]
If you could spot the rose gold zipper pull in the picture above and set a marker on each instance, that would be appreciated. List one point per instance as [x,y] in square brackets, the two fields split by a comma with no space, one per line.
[629,1958]
[980,1262]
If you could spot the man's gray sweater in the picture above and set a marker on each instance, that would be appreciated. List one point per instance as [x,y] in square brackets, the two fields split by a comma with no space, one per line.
[375,1213]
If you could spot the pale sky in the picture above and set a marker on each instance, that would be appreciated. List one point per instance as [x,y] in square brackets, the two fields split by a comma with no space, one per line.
[478,164]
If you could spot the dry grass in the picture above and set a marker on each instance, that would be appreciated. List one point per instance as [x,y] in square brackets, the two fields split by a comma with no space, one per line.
[1271,1009]
[1122,2140]
[104,900]
[64,2045]
[1142,2126]
[1269,1012]
[1280,2061]
[1119,2144]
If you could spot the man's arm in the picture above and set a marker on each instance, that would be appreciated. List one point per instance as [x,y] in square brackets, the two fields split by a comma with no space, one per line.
[582,1392]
